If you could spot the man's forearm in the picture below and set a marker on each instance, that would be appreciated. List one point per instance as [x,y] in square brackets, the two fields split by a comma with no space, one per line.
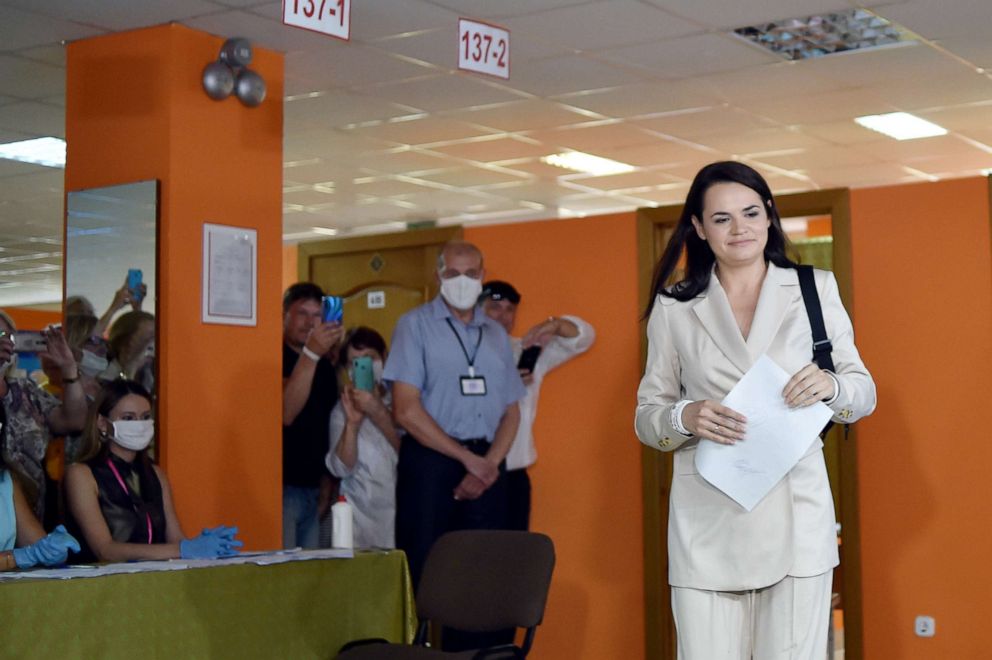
[417,422]
[505,433]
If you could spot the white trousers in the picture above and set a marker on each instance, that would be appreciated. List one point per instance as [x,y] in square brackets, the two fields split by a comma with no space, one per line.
[787,621]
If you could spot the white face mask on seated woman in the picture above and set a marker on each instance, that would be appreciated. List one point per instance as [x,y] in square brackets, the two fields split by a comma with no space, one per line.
[134,434]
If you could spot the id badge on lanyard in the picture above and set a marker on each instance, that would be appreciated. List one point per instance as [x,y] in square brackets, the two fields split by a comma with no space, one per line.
[472,384]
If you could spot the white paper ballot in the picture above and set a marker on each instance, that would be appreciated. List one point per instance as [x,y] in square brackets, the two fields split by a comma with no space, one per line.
[776,438]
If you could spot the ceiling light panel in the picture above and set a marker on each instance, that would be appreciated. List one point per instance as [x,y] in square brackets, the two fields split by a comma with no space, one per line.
[587,163]
[901,125]
[47,151]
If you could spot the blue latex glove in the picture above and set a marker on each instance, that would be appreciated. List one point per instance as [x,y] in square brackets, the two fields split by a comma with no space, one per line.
[49,551]
[211,543]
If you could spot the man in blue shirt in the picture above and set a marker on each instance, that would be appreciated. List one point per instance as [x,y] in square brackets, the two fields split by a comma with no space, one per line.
[455,391]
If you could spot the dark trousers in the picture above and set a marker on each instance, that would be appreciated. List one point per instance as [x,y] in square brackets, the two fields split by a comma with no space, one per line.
[425,503]
[518,499]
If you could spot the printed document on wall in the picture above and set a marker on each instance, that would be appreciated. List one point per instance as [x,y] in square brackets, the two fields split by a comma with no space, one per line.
[776,438]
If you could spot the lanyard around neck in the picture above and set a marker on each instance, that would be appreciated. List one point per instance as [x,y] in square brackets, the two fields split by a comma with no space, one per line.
[475,353]
[127,491]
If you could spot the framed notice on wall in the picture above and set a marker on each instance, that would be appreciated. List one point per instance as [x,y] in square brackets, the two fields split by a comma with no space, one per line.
[230,275]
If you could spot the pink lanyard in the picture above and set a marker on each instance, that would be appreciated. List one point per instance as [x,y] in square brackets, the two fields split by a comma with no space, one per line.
[148,518]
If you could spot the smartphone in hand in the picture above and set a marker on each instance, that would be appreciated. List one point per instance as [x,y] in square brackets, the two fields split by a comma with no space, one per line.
[29,341]
[528,358]
[332,309]
[361,373]
[134,283]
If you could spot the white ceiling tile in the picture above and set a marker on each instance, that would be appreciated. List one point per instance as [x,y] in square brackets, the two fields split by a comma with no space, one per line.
[880,65]
[261,31]
[541,192]
[372,19]
[667,154]
[337,108]
[307,197]
[523,115]
[28,79]
[490,9]
[441,92]
[118,15]
[439,47]
[760,140]
[554,76]
[426,130]
[641,99]
[53,55]
[38,119]
[954,88]
[690,125]
[949,146]
[598,25]
[840,132]
[492,150]
[594,139]
[822,157]
[961,165]
[470,177]
[389,187]
[821,108]
[859,176]
[304,144]
[740,14]
[936,20]
[976,50]
[961,117]
[783,79]
[26,29]
[347,64]
[639,179]
[691,56]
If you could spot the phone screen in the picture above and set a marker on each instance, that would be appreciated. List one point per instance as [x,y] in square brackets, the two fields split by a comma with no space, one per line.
[528,358]
[332,309]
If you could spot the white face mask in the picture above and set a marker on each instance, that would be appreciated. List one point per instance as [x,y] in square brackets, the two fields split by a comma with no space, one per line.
[92,364]
[461,292]
[134,434]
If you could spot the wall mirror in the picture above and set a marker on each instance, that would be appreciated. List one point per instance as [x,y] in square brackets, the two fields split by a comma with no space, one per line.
[110,276]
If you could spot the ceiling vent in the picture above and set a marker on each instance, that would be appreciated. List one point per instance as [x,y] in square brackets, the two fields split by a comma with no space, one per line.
[816,36]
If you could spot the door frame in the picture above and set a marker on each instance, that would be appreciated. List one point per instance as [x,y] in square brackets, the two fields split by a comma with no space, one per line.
[410,238]
[656,466]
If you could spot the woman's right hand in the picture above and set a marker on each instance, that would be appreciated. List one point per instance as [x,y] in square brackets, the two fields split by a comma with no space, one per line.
[711,420]
[353,414]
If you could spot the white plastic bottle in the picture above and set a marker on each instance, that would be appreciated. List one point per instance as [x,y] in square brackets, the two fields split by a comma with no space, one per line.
[342,521]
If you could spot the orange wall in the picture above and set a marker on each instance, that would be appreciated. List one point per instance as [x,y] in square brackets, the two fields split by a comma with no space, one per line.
[135,110]
[587,489]
[923,318]
[33,319]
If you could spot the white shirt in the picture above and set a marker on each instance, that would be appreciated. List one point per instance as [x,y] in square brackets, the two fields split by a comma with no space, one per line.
[370,486]
[522,452]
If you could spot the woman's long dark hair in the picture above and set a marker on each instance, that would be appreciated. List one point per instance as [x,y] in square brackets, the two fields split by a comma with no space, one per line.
[699,256]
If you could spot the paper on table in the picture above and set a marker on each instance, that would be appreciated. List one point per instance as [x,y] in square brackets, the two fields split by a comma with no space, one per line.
[776,438]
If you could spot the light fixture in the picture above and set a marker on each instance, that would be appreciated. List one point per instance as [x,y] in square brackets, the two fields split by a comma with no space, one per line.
[901,125]
[587,163]
[325,231]
[47,151]
[230,73]
[826,34]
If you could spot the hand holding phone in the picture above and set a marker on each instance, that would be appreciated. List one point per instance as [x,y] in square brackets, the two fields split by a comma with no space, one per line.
[361,373]
[528,358]
[332,309]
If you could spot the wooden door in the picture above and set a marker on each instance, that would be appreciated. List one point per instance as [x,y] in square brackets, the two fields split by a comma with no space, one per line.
[654,227]
[380,277]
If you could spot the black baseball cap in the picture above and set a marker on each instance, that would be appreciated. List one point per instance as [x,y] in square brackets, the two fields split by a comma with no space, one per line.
[499,290]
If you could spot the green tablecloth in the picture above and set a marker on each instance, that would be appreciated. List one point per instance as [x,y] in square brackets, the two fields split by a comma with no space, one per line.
[300,609]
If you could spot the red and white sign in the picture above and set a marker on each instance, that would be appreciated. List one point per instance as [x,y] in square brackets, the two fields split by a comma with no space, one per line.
[331,17]
[483,48]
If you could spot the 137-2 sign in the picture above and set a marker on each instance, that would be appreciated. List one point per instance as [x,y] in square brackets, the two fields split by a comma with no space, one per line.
[483,48]
[331,17]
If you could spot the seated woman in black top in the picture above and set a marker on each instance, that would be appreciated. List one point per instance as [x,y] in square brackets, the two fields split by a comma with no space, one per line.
[118,499]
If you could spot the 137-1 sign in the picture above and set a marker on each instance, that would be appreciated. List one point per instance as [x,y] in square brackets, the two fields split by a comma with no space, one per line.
[483,48]
[331,17]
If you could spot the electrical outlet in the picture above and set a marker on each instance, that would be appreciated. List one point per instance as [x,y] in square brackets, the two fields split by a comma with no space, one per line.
[925,626]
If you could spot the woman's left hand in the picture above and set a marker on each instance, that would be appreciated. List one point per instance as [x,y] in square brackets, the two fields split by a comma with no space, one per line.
[58,350]
[809,385]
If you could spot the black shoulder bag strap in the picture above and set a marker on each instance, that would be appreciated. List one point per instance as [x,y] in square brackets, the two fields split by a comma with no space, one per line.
[822,348]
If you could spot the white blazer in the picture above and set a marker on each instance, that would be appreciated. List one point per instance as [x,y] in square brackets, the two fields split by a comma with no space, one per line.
[696,351]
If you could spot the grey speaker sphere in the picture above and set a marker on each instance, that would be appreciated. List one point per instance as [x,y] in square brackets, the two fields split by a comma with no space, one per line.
[250,88]
[218,80]
[236,52]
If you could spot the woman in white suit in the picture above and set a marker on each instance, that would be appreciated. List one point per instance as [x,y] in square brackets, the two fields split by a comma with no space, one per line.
[744,584]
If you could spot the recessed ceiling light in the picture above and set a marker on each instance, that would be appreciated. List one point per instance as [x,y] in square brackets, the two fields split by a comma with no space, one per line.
[587,163]
[326,231]
[901,125]
[47,151]
[826,34]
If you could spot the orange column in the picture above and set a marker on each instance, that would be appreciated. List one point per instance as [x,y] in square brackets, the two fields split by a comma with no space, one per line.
[135,110]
